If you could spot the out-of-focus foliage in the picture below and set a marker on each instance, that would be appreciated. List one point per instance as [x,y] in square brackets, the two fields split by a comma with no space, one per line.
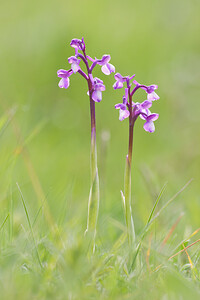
[45,143]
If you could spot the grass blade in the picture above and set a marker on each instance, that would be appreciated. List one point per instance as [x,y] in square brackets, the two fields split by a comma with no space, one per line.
[171,199]
[30,226]
[4,221]
[156,203]
[151,220]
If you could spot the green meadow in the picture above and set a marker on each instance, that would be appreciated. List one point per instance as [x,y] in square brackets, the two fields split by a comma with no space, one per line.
[45,152]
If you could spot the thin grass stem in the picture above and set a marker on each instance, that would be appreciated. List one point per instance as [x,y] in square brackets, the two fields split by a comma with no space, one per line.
[30,226]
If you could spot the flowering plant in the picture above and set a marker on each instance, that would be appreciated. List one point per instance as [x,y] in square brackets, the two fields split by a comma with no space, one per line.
[132,110]
[135,109]
[95,89]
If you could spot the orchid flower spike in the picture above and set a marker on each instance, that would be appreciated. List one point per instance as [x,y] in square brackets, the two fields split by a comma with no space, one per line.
[95,85]
[134,109]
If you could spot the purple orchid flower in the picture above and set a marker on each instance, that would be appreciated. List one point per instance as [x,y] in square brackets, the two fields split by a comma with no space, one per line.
[133,110]
[78,44]
[106,68]
[119,81]
[152,96]
[95,85]
[64,82]
[149,124]
[150,90]
[98,88]
[123,111]
[74,61]
[146,115]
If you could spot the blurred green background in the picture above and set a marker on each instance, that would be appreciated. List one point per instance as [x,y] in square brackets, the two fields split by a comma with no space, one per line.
[45,131]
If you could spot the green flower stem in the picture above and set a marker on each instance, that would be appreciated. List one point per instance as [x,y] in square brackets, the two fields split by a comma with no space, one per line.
[127,192]
[127,179]
[93,203]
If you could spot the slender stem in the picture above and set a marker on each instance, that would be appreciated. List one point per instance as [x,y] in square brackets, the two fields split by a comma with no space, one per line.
[92,110]
[131,124]
[83,58]
[86,62]
[127,181]
[130,146]
[83,74]
[93,203]
[93,134]
[136,88]
[92,66]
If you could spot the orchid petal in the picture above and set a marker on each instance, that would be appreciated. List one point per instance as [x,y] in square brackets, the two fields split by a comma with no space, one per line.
[153,96]
[149,126]
[105,59]
[144,113]
[97,96]
[111,68]
[152,117]
[99,87]
[107,69]
[146,104]
[97,80]
[64,83]
[120,106]
[75,67]
[118,76]
[123,114]
[150,89]
[63,73]
[77,44]
[118,85]
[73,59]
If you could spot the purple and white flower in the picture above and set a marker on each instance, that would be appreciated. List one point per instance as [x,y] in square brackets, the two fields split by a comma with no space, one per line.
[97,88]
[123,111]
[146,115]
[149,124]
[78,44]
[64,75]
[151,95]
[119,81]
[106,68]
[97,85]
[150,90]
[74,61]
[141,108]
[135,109]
